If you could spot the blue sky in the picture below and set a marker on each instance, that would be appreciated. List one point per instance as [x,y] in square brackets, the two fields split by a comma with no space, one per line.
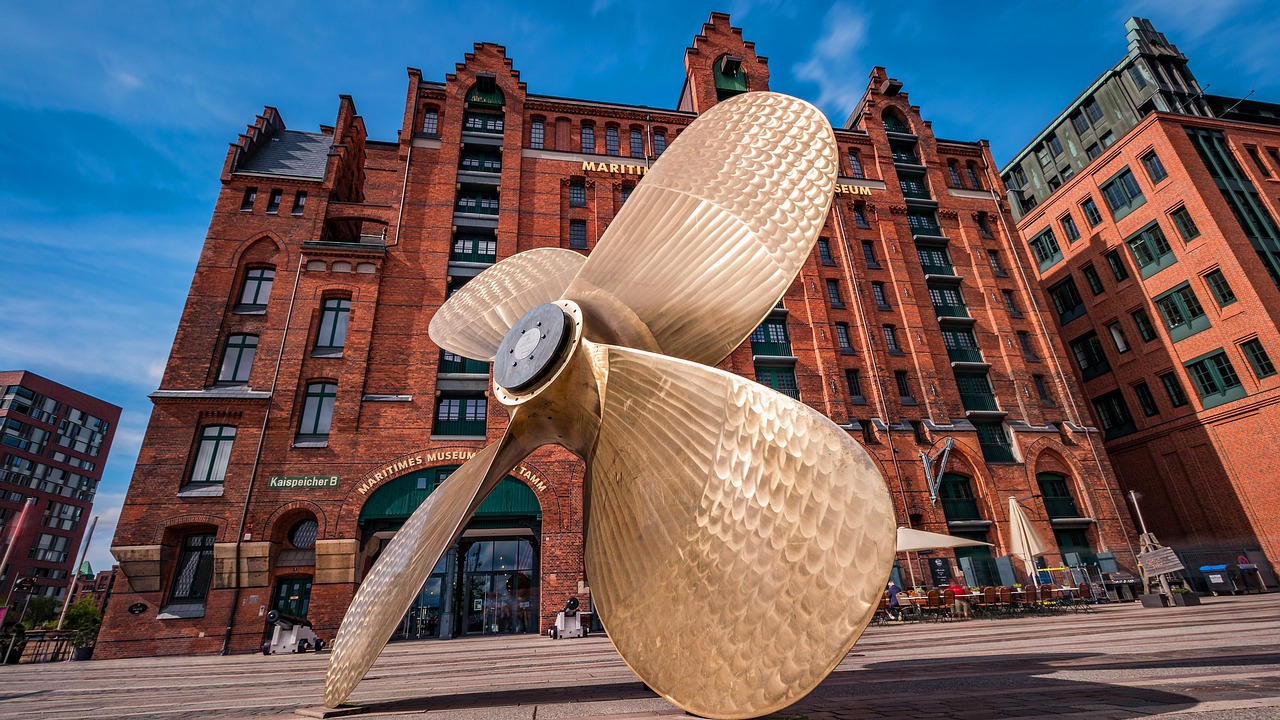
[115,120]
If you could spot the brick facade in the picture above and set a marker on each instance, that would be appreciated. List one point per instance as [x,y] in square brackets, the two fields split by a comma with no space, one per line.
[379,229]
[1200,466]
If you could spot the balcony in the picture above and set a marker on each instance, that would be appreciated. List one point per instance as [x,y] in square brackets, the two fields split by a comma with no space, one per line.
[775,349]
[965,355]
[451,363]
[1060,507]
[998,452]
[951,311]
[464,428]
[960,509]
[904,157]
[473,256]
[979,402]
[944,270]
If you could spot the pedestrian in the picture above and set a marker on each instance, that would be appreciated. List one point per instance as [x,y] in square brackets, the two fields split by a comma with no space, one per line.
[895,610]
[962,607]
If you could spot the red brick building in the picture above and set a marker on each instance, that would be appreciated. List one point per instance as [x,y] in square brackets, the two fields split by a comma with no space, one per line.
[1156,261]
[54,443]
[304,413]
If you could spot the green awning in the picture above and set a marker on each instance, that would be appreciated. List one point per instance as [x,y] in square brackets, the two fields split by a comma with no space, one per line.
[490,98]
[397,499]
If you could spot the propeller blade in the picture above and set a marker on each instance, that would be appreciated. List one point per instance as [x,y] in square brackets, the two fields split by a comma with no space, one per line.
[739,540]
[716,231]
[405,564]
[473,322]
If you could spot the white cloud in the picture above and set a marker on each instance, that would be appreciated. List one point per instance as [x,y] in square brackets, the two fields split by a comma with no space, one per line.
[833,59]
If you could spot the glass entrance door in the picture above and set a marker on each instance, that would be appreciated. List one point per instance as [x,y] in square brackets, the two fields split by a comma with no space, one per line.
[499,593]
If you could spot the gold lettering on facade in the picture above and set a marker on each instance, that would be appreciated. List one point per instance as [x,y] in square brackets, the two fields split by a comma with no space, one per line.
[396,468]
[614,168]
[852,190]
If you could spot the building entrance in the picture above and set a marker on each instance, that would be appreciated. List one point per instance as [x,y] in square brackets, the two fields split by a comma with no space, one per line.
[487,583]
[293,596]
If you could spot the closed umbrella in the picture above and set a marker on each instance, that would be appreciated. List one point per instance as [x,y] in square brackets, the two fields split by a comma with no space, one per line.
[1023,539]
[911,540]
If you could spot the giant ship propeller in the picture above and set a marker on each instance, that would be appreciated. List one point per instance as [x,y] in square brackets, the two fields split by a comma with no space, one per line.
[736,540]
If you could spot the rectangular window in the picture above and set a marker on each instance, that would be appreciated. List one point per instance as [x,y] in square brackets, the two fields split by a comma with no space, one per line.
[1139,80]
[1155,168]
[1093,110]
[855,164]
[997,267]
[948,302]
[860,217]
[1146,330]
[1092,280]
[483,123]
[1257,161]
[1177,397]
[257,288]
[273,201]
[1055,145]
[904,387]
[1042,391]
[334,313]
[842,338]
[1066,300]
[250,196]
[1258,359]
[1045,248]
[1117,337]
[194,570]
[1215,379]
[1011,303]
[877,292]
[782,379]
[537,134]
[61,516]
[237,359]
[317,410]
[624,194]
[833,293]
[1090,358]
[474,248]
[1093,151]
[869,254]
[891,339]
[854,379]
[824,252]
[1080,123]
[49,548]
[1028,350]
[1069,228]
[1221,289]
[462,416]
[578,234]
[1109,139]
[1150,250]
[299,202]
[923,222]
[588,139]
[659,143]
[984,228]
[477,202]
[1183,314]
[994,440]
[577,194]
[1122,194]
[1116,263]
[1090,209]
[1114,415]
[431,122]
[1146,400]
[213,454]
[611,141]
[481,159]
[637,144]
[1186,226]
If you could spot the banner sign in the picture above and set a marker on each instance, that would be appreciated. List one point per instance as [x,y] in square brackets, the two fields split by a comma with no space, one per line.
[302,481]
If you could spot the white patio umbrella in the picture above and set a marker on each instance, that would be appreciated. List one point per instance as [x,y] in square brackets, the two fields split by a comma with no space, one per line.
[914,540]
[1023,539]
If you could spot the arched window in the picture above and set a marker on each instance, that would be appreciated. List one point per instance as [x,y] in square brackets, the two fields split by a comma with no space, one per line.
[637,143]
[1058,501]
[537,133]
[431,121]
[611,140]
[659,142]
[971,169]
[730,78]
[588,138]
[855,164]
[953,174]
[894,122]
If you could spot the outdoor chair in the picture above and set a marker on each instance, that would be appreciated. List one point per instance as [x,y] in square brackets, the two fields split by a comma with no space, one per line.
[934,609]
[989,604]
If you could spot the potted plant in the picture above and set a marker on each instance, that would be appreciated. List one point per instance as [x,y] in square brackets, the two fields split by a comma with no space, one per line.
[84,620]
[1183,597]
[1153,600]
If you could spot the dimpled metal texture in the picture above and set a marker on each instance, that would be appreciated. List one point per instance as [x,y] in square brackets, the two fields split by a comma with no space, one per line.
[739,540]
[718,228]
[386,593]
[474,321]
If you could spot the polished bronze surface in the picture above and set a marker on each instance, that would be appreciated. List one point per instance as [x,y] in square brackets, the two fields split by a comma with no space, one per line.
[737,540]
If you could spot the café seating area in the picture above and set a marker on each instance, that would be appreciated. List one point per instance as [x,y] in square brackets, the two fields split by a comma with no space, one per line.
[989,602]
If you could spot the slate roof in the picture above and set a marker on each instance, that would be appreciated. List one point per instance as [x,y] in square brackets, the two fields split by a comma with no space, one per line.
[290,152]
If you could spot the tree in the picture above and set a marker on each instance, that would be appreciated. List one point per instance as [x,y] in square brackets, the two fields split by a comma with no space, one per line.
[83,617]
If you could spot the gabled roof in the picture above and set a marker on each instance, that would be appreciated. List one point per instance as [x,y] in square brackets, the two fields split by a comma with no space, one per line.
[289,152]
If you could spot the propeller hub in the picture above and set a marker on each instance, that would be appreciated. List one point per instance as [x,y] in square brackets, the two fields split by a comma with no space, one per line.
[532,348]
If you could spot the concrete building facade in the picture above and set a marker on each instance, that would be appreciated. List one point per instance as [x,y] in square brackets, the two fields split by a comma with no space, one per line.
[304,413]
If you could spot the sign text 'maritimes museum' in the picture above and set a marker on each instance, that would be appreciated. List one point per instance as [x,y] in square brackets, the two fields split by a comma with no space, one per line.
[398,468]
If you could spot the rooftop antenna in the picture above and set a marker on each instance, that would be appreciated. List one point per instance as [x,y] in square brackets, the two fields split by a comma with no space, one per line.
[1233,107]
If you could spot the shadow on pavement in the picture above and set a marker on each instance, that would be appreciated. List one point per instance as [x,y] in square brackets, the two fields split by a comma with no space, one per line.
[506,698]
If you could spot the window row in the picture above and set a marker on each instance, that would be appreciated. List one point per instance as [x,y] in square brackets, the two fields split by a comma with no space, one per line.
[274,198]
[966,178]
[239,351]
